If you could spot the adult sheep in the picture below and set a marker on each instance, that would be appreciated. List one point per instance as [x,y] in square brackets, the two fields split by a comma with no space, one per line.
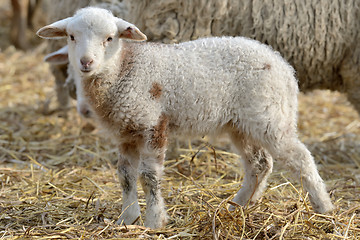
[319,38]
[142,93]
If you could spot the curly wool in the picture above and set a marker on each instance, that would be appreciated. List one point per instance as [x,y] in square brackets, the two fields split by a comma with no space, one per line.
[319,38]
[213,87]
[316,37]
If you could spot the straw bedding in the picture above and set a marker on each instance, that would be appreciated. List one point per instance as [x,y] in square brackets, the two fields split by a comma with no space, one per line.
[58,181]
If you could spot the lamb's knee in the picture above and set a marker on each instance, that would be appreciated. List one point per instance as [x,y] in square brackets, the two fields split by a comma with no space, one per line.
[127,168]
[150,183]
[259,161]
[264,162]
[127,180]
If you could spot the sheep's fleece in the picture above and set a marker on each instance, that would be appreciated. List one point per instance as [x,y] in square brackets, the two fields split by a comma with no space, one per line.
[320,38]
[141,93]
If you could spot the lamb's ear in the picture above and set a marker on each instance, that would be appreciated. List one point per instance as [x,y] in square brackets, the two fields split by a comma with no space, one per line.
[59,57]
[129,31]
[55,30]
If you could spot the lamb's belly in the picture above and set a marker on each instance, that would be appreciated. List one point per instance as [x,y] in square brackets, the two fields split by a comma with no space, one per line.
[196,124]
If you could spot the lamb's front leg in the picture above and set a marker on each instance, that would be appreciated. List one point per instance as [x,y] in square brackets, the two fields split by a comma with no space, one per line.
[151,170]
[128,165]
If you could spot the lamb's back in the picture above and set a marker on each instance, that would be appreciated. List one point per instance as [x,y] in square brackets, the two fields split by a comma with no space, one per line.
[210,82]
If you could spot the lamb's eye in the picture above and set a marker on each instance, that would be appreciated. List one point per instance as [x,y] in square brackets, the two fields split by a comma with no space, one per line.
[109,39]
[72,38]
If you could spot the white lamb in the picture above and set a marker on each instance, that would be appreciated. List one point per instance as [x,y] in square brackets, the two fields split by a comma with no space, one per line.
[142,93]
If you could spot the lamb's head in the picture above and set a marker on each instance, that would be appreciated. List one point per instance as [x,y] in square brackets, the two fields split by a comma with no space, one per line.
[94,38]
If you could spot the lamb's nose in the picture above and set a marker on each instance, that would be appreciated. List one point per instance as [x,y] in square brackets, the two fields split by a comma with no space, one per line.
[86,62]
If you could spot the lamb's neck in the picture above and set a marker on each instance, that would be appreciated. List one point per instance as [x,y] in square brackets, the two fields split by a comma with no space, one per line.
[126,59]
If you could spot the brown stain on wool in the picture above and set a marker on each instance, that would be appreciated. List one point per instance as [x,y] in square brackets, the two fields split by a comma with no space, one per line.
[127,59]
[267,66]
[160,135]
[131,146]
[93,90]
[156,91]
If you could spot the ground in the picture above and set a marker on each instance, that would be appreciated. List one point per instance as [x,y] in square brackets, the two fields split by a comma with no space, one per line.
[58,181]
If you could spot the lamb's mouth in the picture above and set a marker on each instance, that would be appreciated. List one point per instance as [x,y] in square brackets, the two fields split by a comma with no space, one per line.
[85,70]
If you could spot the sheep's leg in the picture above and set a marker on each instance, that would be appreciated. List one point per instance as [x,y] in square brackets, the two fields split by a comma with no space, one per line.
[298,159]
[257,167]
[349,72]
[19,23]
[62,91]
[151,170]
[128,172]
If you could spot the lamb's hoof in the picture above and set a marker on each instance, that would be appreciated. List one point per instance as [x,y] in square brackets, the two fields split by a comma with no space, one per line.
[231,208]
[127,220]
[240,201]
[156,221]
[130,216]
[323,208]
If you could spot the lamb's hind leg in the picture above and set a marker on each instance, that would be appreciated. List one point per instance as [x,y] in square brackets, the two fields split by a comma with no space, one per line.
[296,157]
[257,167]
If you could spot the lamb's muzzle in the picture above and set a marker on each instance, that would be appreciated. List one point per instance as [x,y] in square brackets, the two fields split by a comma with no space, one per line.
[86,64]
